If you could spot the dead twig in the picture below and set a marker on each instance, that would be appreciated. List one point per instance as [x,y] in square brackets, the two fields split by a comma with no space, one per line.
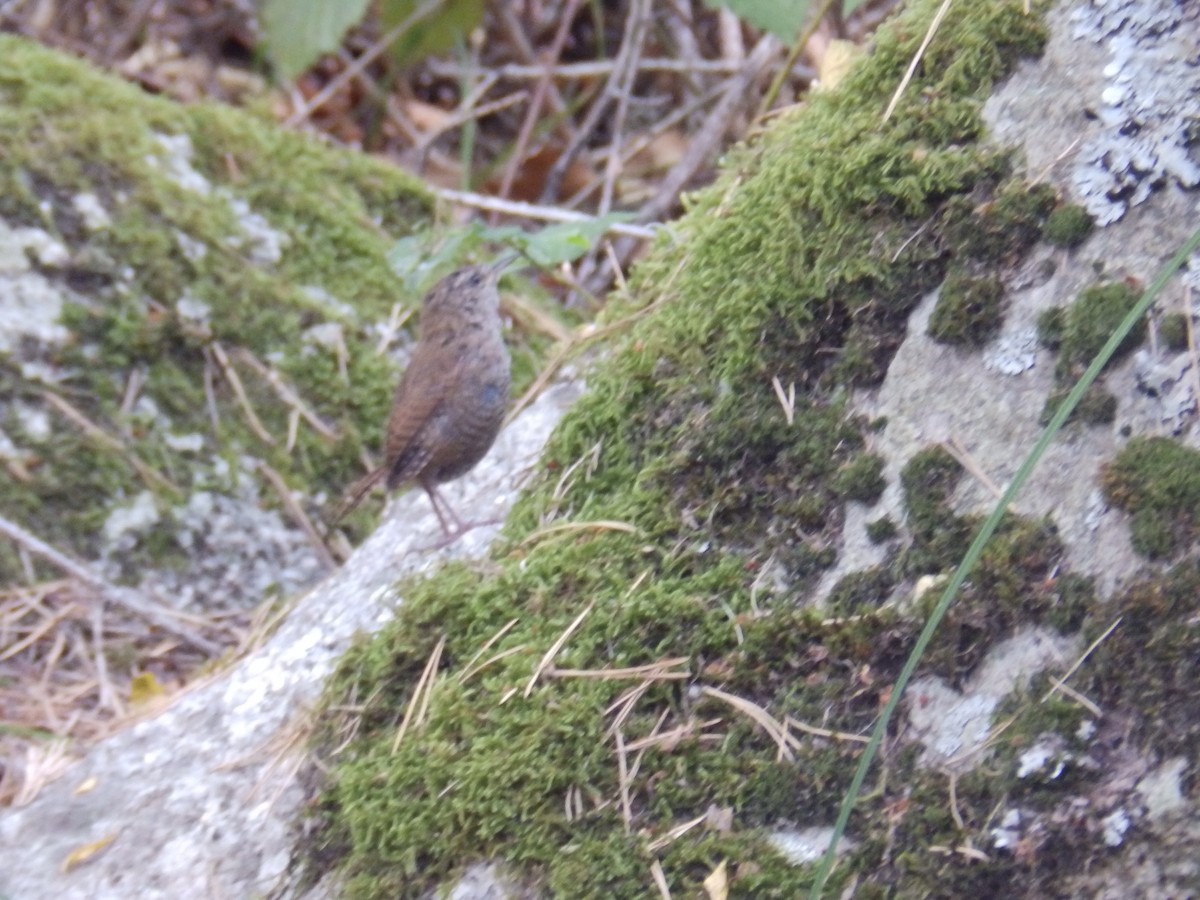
[418,704]
[544,88]
[218,353]
[548,658]
[287,393]
[916,60]
[304,110]
[543,213]
[102,437]
[298,515]
[126,598]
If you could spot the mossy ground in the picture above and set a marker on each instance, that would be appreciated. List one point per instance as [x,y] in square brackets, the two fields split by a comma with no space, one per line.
[801,263]
[1157,481]
[1078,332]
[66,129]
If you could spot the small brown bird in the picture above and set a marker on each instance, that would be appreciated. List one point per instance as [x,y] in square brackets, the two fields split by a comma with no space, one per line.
[450,402]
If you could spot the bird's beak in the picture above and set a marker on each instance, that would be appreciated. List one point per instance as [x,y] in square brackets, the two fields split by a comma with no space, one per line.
[496,269]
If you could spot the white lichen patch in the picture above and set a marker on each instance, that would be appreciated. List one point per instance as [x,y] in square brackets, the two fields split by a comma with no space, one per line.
[1047,758]
[1114,825]
[1012,354]
[176,163]
[91,211]
[1162,788]
[954,725]
[193,310]
[125,522]
[803,846]
[1148,103]
[326,335]
[328,302]
[30,312]
[1007,834]
[263,244]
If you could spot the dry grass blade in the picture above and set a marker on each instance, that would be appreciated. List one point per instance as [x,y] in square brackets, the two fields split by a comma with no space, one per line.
[239,391]
[569,527]
[655,671]
[491,660]
[660,880]
[127,598]
[1088,704]
[825,732]
[298,515]
[666,740]
[487,645]
[418,704]
[623,779]
[287,393]
[102,437]
[916,60]
[48,624]
[1061,683]
[787,399]
[675,833]
[772,726]
[958,450]
[21,782]
[623,705]
[555,647]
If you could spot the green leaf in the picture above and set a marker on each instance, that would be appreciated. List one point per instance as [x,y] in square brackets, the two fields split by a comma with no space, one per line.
[557,243]
[299,31]
[436,32]
[782,18]
[420,258]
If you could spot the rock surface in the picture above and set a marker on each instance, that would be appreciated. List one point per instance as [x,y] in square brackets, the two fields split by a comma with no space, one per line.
[202,798]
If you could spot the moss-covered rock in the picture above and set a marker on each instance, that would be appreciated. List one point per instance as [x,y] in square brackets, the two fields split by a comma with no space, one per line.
[1157,481]
[1173,329]
[800,264]
[969,310]
[1068,226]
[1092,318]
[220,280]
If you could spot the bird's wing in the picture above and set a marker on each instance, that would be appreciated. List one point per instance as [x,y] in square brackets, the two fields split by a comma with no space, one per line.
[422,389]
[357,492]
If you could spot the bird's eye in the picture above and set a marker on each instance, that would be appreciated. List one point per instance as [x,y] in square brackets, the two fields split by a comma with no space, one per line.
[475,278]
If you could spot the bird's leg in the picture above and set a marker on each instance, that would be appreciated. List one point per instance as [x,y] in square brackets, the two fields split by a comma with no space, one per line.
[456,527]
[441,508]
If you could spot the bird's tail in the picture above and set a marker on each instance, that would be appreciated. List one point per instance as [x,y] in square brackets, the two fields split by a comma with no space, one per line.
[358,491]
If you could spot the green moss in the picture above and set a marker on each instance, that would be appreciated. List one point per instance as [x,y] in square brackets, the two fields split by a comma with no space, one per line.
[1173,329]
[1147,669]
[861,479]
[969,310]
[1051,324]
[1010,586]
[996,229]
[1092,318]
[881,530]
[1097,406]
[928,479]
[1157,481]
[801,263]
[1068,226]
[861,591]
